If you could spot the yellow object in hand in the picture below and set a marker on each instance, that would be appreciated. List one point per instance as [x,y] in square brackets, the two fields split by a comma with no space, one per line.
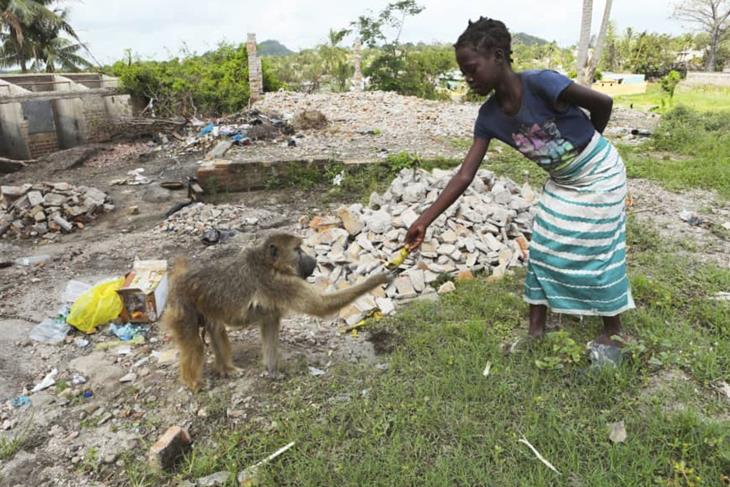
[398,259]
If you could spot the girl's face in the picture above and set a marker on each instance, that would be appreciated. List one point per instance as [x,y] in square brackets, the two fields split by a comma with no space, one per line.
[481,70]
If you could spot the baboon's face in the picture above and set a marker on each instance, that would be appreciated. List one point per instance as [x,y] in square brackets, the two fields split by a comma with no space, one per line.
[288,257]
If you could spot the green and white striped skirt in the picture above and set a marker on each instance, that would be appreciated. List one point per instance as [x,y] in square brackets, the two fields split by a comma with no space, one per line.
[577,258]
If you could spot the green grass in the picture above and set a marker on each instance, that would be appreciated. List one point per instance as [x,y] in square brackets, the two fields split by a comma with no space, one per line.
[432,418]
[705,98]
[689,150]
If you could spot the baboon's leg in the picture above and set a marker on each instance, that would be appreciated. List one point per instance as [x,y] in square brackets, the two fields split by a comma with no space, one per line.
[221,349]
[191,355]
[270,342]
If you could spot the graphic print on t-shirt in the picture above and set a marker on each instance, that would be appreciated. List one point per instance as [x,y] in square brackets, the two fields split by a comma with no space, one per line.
[544,145]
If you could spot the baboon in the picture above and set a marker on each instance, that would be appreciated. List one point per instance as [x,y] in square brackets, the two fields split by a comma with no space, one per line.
[257,287]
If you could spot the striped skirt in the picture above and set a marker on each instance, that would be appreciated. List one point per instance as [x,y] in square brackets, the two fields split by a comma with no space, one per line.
[577,262]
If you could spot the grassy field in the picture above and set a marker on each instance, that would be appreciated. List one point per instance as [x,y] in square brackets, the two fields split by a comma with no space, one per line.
[432,418]
[428,415]
[703,99]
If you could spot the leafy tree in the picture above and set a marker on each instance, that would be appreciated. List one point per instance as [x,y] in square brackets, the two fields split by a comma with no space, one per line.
[17,17]
[713,17]
[669,83]
[45,46]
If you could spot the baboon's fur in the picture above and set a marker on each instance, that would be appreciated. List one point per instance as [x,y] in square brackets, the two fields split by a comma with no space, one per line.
[257,287]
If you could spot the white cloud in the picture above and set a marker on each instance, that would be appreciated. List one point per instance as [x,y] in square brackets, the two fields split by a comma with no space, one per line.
[159,28]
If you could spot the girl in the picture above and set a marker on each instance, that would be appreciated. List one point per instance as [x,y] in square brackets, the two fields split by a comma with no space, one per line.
[577,262]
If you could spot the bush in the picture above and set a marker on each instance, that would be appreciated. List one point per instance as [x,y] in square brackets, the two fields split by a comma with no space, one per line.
[210,84]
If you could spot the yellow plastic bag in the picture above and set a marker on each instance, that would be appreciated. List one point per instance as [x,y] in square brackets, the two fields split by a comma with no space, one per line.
[97,306]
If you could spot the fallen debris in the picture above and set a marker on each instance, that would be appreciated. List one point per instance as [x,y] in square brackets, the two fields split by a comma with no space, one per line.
[168,449]
[537,454]
[35,210]
[618,432]
[248,476]
[484,231]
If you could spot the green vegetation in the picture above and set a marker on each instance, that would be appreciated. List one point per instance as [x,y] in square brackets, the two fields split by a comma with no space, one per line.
[690,149]
[703,99]
[433,418]
[36,35]
[212,83]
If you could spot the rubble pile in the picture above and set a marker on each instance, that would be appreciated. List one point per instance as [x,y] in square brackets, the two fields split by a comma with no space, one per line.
[34,210]
[198,218]
[485,230]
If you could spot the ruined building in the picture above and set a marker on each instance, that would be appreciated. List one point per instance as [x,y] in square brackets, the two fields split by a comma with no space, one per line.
[43,113]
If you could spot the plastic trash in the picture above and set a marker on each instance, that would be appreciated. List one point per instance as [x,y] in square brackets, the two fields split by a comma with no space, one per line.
[74,290]
[47,381]
[126,332]
[604,355]
[78,379]
[33,260]
[50,331]
[20,401]
[88,394]
[206,130]
[100,304]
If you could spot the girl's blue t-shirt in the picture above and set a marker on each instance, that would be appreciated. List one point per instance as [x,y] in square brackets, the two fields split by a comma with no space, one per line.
[539,130]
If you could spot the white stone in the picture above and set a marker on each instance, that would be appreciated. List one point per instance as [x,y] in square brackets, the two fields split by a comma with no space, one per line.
[378,221]
[418,279]
[385,305]
[447,287]
[408,217]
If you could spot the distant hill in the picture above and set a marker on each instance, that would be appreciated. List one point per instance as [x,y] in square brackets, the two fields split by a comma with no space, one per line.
[272,48]
[528,40]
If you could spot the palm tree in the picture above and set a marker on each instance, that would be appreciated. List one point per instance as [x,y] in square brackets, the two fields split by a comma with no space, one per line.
[585,39]
[598,49]
[17,17]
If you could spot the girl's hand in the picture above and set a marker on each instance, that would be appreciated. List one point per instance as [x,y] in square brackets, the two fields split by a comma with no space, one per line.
[416,234]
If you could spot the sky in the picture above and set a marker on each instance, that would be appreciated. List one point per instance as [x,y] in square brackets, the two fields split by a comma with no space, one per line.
[159,29]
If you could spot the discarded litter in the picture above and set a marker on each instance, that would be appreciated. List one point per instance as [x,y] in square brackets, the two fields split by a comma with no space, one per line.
[487,369]
[74,290]
[126,332]
[144,291]
[537,454]
[618,432]
[315,371]
[81,342]
[602,355]
[88,394]
[51,331]
[78,379]
[97,306]
[33,260]
[691,218]
[248,477]
[213,236]
[47,381]
[20,401]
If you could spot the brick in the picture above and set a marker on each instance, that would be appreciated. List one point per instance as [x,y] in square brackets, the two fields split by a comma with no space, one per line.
[168,449]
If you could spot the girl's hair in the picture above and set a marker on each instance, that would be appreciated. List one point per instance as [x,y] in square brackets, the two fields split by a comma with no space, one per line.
[486,34]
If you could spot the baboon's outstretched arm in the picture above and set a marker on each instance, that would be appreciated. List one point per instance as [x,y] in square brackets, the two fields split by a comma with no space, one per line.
[310,302]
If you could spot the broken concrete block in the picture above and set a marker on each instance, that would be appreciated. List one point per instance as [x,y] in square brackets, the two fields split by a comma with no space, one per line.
[385,305]
[418,279]
[54,199]
[350,221]
[378,221]
[168,449]
[413,193]
[408,217]
[35,198]
[447,287]
[449,237]
[365,304]
[219,150]
[446,249]
[404,286]
[63,223]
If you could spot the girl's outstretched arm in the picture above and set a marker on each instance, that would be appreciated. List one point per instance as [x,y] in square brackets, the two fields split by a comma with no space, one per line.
[598,104]
[456,187]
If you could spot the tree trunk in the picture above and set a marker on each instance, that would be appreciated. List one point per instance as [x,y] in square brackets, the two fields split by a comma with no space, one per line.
[712,54]
[598,49]
[585,38]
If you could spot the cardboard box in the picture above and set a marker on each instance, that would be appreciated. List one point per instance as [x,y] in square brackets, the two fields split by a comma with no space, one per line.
[144,292]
